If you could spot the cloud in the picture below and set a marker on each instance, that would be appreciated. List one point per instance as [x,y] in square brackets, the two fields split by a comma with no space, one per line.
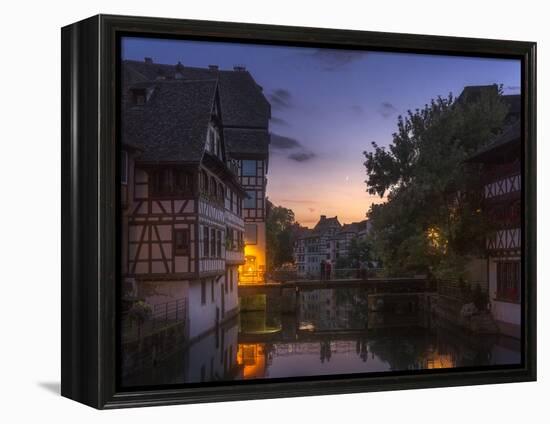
[281,142]
[301,156]
[387,109]
[296,151]
[301,201]
[279,121]
[281,99]
[513,87]
[311,209]
[357,109]
[333,60]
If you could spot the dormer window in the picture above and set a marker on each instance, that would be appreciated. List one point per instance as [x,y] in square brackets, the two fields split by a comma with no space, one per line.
[139,96]
[213,141]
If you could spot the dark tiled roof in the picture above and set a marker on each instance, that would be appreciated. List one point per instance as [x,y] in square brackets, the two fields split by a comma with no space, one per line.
[472,93]
[172,124]
[354,227]
[506,144]
[242,101]
[513,101]
[242,141]
[325,224]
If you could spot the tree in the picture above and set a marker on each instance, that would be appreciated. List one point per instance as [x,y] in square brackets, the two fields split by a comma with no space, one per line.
[360,252]
[279,232]
[432,218]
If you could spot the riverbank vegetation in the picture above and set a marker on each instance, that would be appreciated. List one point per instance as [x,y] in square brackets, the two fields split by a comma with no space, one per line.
[432,220]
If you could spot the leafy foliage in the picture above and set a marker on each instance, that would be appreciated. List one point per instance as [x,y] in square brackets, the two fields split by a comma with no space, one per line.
[432,218]
[360,252]
[140,311]
[279,233]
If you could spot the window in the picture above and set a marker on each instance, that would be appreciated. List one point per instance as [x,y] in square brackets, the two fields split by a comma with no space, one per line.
[212,242]
[219,244]
[231,279]
[229,239]
[205,241]
[170,182]
[203,292]
[124,167]
[183,182]
[221,192]
[204,182]
[508,281]
[250,233]
[212,290]
[211,139]
[161,182]
[249,168]
[239,205]
[213,187]
[181,242]
[139,96]
[250,201]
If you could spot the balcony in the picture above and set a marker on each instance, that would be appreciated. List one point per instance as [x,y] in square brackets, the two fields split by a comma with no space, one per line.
[251,277]
[234,257]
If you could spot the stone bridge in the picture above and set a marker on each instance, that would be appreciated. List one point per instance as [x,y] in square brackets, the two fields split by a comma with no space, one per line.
[371,285]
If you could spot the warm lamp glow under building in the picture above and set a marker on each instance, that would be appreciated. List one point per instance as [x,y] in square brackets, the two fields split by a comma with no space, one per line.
[252,173]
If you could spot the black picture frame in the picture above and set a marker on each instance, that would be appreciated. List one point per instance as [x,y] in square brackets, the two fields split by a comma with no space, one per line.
[89,207]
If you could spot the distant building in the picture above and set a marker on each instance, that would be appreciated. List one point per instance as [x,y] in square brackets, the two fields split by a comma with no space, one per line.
[191,138]
[325,243]
[340,242]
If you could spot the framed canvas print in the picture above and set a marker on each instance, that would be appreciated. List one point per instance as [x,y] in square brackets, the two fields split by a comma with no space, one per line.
[255,211]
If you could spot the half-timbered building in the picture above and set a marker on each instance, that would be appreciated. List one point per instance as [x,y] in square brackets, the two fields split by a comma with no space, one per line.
[182,199]
[327,242]
[314,246]
[501,162]
[245,131]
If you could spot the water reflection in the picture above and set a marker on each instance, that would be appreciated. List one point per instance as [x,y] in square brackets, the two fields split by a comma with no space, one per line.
[331,331]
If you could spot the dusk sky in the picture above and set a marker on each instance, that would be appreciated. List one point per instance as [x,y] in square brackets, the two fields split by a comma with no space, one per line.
[327,107]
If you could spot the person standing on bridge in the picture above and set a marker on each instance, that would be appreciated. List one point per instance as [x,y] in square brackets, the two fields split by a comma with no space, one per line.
[322,266]
[327,270]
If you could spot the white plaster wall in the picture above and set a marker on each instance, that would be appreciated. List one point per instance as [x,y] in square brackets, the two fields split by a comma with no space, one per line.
[158,292]
[232,296]
[506,312]
[202,317]
[502,311]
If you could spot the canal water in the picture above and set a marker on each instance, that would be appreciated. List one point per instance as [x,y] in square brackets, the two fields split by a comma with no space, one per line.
[321,332]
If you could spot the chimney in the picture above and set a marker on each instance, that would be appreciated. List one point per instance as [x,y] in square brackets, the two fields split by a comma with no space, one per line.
[213,67]
[239,68]
[179,69]
[323,217]
[148,60]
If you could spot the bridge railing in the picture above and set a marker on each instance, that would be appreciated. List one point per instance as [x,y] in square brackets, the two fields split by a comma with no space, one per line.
[335,274]
[162,315]
[251,277]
